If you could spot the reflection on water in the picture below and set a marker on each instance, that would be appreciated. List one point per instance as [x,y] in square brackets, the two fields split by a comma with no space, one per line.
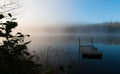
[63,50]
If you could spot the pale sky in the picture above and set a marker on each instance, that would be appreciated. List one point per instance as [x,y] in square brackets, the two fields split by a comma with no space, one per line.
[51,11]
[41,12]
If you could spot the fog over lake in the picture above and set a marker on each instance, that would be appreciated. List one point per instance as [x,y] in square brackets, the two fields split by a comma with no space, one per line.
[52,47]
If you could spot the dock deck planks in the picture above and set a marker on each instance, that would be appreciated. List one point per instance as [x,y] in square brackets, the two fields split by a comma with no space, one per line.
[90,52]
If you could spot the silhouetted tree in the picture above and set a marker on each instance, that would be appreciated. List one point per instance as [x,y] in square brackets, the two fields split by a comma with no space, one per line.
[14,57]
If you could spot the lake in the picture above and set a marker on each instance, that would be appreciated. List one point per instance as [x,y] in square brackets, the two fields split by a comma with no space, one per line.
[58,51]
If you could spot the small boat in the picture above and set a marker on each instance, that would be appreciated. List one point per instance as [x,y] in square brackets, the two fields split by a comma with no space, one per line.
[90,52]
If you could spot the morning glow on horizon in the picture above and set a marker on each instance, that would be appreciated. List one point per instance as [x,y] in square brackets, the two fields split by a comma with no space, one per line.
[71,11]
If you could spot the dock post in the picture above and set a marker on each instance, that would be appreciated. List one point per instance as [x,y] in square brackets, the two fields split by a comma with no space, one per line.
[91,41]
[79,44]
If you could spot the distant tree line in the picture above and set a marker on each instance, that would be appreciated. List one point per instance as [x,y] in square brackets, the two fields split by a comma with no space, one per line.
[109,27]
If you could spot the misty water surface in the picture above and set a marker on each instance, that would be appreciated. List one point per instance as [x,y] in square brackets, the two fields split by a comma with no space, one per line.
[63,49]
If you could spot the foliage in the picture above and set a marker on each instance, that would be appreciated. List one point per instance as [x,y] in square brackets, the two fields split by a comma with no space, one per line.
[14,57]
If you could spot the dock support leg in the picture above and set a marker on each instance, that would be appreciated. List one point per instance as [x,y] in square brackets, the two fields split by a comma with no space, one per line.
[79,44]
[91,41]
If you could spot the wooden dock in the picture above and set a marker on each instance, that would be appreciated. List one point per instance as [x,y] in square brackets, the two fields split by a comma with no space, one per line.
[89,51]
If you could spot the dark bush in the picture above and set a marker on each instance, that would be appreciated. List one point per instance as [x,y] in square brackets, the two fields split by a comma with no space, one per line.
[14,57]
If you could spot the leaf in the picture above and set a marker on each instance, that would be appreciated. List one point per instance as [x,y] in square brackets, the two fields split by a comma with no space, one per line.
[10,24]
[1,28]
[28,35]
[19,33]
[13,24]
[1,16]
[26,53]
[5,23]
[10,14]
[27,42]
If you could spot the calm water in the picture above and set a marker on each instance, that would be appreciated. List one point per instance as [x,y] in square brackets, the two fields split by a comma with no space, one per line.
[55,50]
